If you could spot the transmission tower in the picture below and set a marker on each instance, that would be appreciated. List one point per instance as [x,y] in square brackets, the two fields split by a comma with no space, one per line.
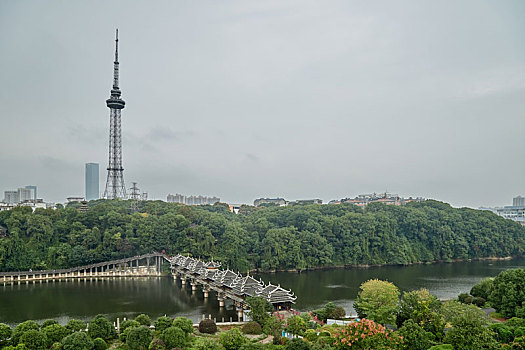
[115,182]
[135,197]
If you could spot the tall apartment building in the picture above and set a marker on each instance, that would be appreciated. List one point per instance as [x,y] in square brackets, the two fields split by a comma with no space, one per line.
[518,201]
[92,181]
[25,194]
[31,187]
[11,197]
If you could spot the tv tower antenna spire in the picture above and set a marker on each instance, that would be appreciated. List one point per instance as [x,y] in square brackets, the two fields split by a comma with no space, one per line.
[115,188]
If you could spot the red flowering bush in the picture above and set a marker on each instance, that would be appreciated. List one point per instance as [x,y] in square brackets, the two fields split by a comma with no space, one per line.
[366,334]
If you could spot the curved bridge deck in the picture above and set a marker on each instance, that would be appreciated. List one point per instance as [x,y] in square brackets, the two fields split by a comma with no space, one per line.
[128,267]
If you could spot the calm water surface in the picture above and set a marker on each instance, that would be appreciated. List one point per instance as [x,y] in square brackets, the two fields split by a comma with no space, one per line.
[158,296]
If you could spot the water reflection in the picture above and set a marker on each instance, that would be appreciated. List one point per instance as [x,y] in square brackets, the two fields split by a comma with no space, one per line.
[156,297]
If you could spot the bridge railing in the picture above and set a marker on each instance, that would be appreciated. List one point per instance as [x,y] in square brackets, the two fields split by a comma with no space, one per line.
[86,267]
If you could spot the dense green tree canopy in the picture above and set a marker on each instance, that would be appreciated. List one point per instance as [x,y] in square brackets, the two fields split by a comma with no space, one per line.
[270,238]
[508,293]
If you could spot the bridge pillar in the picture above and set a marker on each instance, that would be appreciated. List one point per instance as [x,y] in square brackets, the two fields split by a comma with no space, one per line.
[240,314]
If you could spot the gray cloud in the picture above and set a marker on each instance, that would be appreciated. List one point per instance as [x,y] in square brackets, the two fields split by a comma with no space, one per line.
[248,98]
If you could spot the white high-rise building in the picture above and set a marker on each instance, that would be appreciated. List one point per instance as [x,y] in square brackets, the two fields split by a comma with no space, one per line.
[25,194]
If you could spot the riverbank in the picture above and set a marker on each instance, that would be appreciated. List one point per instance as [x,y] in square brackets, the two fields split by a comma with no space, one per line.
[368,266]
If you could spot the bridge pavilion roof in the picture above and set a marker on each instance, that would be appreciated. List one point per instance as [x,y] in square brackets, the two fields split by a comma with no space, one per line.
[276,294]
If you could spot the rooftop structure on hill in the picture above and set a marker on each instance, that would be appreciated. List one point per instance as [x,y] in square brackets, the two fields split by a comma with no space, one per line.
[363,200]
[281,202]
[192,200]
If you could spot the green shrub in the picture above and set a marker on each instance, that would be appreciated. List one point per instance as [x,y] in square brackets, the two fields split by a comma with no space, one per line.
[163,323]
[56,346]
[478,301]
[232,339]
[48,323]
[55,333]
[207,326]
[519,331]
[143,319]
[297,344]
[100,327]
[252,328]
[252,346]
[77,341]
[504,333]
[76,325]
[139,338]
[34,340]
[207,344]
[157,344]
[183,323]
[21,329]
[465,298]
[515,322]
[173,337]
[100,344]
[442,347]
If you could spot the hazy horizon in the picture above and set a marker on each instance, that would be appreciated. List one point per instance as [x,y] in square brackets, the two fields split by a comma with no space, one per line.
[248,99]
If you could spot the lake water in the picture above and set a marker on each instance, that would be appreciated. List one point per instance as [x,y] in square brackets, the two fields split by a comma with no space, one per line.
[157,296]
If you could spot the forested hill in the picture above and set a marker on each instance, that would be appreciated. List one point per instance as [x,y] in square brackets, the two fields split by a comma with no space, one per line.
[293,237]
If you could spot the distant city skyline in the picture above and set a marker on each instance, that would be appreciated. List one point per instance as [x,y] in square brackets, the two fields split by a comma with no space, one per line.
[251,99]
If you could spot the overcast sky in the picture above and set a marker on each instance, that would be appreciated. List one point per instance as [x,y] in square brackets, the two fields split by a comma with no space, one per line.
[246,99]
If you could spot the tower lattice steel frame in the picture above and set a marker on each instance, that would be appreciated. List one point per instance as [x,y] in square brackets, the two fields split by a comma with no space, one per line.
[115,187]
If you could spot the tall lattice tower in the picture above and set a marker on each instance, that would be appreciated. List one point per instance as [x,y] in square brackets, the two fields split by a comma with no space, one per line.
[115,187]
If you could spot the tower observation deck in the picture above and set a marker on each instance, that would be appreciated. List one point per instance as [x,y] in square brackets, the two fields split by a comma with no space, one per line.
[115,187]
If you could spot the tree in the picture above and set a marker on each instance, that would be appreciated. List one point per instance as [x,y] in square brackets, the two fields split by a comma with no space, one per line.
[296,325]
[128,324]
[100,327]
[183,323]
[99,344]
[34,340]
[138,338]
[48,323]
[424,309]
[470,332]
[143,319]
[508,292]
[77,341]
[414,336]
[163,323]
[173,337]
[259,309]
[377,301]
[21,328]
[5,333]
[55,333]
[232,339]
[76,325]
[483,288]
